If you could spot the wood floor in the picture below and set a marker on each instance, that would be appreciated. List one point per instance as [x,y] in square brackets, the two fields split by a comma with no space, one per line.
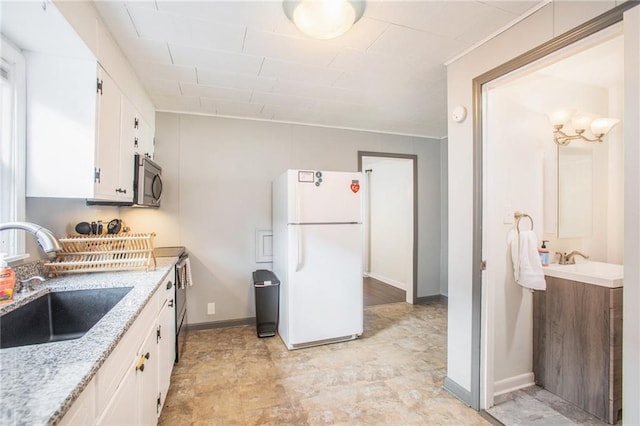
[378,293]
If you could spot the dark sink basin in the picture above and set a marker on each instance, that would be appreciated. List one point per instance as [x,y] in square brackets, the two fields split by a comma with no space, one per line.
[57,316]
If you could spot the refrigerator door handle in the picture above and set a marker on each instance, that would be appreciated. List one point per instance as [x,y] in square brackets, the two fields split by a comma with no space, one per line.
[300,257]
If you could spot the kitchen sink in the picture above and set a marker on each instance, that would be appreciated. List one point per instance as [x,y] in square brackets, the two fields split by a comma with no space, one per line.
[57,316]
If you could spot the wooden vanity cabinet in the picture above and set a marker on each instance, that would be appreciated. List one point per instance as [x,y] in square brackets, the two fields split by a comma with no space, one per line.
[577,345]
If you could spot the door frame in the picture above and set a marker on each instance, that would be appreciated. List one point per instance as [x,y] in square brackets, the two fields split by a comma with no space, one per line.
[613,16]
[414,159]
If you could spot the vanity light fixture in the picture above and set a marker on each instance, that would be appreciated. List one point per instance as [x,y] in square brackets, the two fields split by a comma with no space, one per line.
[324,19]
[580,122]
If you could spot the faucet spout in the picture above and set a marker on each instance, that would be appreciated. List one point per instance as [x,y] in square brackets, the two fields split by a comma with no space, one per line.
[571,257]
[46,240]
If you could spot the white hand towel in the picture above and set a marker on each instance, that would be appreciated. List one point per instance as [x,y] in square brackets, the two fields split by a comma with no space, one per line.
[527,268]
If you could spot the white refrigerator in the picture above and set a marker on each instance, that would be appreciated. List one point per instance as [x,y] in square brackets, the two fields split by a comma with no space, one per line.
[317,255]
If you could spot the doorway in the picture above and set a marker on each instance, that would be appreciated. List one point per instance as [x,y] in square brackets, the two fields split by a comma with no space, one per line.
[525,171]
[482,392]
[390,218]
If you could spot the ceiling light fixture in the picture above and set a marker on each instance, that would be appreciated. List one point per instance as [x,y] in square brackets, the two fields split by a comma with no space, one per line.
[580,122]
[324,19]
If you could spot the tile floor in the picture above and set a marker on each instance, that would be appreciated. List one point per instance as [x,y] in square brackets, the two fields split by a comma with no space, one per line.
[392,375]
[535,406]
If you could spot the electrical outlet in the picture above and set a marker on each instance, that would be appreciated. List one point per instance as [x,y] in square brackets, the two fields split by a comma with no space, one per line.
[211,308]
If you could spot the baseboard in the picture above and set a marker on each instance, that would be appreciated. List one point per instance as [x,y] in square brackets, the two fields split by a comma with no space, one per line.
[393,283]
[458,391]
[430,299]
[220,324]
[488,417]
[513,383]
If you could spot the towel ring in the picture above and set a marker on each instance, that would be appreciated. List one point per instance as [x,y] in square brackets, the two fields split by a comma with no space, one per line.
[519,216]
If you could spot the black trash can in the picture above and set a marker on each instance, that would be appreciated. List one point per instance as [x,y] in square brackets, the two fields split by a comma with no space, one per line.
[267,289]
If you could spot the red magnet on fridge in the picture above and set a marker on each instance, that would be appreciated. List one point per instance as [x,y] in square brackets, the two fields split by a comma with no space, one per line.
[355,186]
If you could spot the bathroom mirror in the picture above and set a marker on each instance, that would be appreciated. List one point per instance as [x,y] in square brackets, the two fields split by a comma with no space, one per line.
[575,191]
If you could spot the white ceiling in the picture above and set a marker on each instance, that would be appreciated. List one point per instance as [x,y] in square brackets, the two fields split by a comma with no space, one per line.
[601,65]
[246,59]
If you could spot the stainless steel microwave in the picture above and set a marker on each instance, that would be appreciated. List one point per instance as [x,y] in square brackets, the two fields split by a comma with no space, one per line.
[147,182]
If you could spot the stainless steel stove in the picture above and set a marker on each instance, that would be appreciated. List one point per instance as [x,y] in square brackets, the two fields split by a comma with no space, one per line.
[180,290]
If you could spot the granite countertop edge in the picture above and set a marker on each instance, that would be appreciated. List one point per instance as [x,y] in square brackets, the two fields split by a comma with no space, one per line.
[41,382]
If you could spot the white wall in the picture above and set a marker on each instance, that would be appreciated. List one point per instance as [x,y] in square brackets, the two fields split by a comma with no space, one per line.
[218,175]
[513,179]
[550,21]
[391,219]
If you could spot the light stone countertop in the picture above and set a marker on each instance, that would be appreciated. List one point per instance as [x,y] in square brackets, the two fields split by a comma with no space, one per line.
[597,273]
[39,383]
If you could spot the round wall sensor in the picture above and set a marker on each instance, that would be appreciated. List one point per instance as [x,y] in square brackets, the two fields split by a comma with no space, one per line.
[459,114]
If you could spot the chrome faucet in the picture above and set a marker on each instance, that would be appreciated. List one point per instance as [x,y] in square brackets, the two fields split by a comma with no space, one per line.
[569,258]
[26,284]
[46,240]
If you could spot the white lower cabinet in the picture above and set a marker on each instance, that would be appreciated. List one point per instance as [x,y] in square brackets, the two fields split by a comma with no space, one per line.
[83,411]
[167,342]
[122,407]
[147,379]
[130,387]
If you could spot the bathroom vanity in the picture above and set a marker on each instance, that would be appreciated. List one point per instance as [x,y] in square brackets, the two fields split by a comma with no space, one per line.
[577,336]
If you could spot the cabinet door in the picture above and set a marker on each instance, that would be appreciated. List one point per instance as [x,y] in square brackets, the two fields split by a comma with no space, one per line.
[82,412]
[128,138]
[108,140]
[61,126]
[166,342]
[122,407]
[146,141]
[147,379]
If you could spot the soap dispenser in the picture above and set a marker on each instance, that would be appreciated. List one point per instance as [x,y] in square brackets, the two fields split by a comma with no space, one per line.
[544,253]
[7,280]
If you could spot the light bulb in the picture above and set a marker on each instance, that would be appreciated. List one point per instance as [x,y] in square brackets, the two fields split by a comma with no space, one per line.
[324,19]
[581,122]
[561,117]
[602,126]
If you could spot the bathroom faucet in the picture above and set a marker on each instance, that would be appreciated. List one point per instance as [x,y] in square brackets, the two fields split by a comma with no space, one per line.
[569,258]
[45,238]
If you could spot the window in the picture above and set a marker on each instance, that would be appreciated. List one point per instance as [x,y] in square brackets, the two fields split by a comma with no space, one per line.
[12,147]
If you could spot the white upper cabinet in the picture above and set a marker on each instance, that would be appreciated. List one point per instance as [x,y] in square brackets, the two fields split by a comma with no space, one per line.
[114,146]
[145,144]
[61,125]
[78,134]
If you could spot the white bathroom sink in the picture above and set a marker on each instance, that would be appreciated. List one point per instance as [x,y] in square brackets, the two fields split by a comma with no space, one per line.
[597,273]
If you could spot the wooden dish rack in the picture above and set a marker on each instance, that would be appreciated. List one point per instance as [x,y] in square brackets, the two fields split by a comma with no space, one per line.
[101,253]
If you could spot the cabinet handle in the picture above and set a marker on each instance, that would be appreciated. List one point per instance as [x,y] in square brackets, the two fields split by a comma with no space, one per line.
[121,191]
[135,142]
[140,365]
[169,285]
[171,303]
[136,122]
